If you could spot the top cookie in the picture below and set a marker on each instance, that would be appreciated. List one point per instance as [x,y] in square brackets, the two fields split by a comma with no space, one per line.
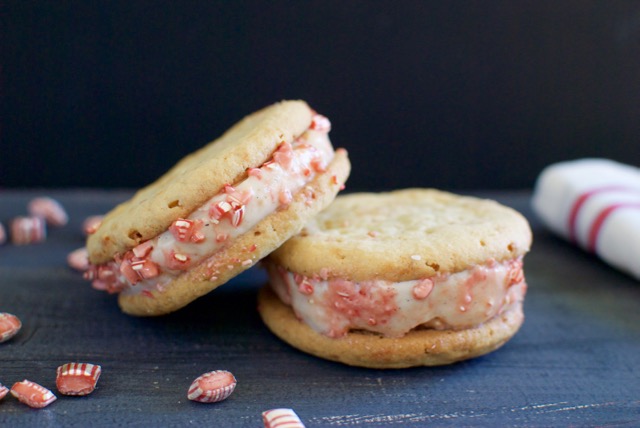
[404,235]
[197,178]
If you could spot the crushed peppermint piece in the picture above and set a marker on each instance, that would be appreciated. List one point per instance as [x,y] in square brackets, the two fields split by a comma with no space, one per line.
[422,289]
[284,155]
[91,224]
[320,123]
[79,259]
[285,197]
[142,250]
[255,172]
[238,215]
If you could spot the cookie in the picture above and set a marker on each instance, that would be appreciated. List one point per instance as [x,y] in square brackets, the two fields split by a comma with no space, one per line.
[399,279]
[218,211]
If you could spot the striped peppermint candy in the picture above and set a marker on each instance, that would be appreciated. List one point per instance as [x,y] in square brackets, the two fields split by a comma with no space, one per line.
[77,378]
[28,230]
[10,325]
[212,387]
[32,394]
[3,391]
[49,209]
[281,418]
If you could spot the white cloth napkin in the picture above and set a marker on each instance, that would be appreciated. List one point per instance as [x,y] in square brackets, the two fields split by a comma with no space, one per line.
[594,203]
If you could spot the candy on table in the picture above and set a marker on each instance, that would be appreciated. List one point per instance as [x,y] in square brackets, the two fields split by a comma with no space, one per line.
[281,418]
[9,326]
[49,209]
[32,394]
[28,230]
[77,378]
[212,387]
[78,259]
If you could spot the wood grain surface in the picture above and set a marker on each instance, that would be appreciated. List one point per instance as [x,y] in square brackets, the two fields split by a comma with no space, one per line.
[575,362]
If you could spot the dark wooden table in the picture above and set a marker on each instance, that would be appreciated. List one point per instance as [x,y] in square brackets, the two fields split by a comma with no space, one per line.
[575,362]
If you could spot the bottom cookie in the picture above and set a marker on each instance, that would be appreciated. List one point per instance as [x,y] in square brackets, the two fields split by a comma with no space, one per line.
[420,347]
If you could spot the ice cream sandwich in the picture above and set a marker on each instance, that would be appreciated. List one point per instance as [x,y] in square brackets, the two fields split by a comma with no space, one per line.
[415,277]
[218,211]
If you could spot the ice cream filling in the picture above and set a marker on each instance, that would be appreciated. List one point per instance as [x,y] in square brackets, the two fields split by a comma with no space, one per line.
[335,306]
[237,208]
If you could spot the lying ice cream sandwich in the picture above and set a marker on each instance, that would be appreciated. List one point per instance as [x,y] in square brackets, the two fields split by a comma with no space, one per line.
[218,211]
[406,278]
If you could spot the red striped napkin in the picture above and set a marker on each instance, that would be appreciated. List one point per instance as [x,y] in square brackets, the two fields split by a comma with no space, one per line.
[594,203]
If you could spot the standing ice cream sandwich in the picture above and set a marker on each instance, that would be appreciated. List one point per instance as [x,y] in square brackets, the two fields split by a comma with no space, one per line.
[218,211]
[406,278]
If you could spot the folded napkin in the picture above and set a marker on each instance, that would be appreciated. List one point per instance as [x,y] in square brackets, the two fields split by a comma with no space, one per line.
[594,203]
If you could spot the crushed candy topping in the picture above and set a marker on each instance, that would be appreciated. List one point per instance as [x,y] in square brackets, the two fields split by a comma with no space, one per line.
[334,306]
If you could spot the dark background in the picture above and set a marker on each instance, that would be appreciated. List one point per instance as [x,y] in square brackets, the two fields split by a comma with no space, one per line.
[449,94]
